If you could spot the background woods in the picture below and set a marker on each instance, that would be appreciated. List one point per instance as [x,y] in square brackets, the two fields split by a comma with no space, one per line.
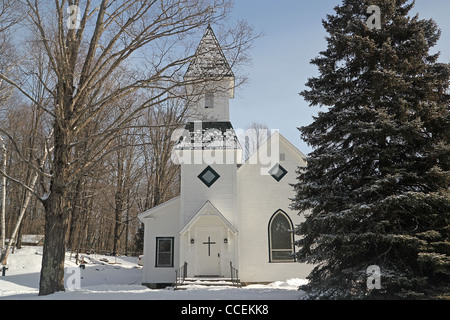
[87,115]
[136,174]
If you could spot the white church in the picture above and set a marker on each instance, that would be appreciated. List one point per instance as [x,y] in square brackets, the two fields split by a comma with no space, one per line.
[230,216]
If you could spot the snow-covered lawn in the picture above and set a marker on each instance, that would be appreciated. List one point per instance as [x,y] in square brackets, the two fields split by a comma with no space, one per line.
[120,278]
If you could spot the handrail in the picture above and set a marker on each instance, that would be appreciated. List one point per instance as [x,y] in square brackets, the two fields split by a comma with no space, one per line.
[181,274]
[234,275]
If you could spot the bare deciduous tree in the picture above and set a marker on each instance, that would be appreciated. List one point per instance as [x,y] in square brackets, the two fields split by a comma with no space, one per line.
[3,204]
[8,18]
[120,48]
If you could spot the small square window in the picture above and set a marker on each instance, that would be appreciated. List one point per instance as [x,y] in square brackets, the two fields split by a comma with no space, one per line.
[278,172]
[208,176]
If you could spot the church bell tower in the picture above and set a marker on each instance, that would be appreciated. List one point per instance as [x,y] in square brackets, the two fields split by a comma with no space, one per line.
[210,82]
[209,153]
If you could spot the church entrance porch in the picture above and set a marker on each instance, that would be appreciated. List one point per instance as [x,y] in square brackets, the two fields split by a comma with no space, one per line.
[208,250]
[208,244]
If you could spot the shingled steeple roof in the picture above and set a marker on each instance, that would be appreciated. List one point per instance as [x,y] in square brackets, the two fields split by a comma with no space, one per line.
[209,61]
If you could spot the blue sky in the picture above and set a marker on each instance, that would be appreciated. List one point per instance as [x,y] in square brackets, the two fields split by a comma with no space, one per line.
[281,59]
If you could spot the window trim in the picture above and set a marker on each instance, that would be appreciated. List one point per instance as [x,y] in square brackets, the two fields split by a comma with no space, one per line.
[172,240]
[269,233]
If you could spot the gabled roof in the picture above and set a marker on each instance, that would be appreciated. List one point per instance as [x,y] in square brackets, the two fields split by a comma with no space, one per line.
[209,61]
[162,206]
[208,209]
[277,136]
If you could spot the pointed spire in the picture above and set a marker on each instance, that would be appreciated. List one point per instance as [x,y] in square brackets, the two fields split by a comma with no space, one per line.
[209,59]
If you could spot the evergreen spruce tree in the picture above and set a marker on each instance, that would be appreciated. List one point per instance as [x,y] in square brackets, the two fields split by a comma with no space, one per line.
[376,190]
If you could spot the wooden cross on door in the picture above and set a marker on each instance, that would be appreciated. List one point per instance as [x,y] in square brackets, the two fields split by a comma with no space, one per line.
[209,243]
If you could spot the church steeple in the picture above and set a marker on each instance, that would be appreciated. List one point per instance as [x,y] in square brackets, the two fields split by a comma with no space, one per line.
[209,61]
[210,81]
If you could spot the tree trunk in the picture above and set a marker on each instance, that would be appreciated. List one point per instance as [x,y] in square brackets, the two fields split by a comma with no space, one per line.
[18,240]
[74,217]
[127,223]
[57,213]
[56,224]
[3,226]
[117,223]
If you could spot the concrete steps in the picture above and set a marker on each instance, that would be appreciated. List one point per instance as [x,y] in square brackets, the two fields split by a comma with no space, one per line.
[208,282]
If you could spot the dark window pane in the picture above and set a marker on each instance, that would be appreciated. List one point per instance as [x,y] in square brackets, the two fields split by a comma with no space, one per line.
[278,172]
[281,255]
[209,176]
[164,259]
[281,238]
[209,100]
[165,245]
[164,253]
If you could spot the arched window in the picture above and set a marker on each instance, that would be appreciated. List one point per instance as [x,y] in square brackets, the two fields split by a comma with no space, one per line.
[281,238]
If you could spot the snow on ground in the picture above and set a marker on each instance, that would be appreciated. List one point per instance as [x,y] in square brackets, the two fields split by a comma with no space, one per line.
[120,278]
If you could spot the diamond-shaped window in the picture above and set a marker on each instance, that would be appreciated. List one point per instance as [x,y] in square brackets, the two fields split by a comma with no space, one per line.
[278,172]
[208,176]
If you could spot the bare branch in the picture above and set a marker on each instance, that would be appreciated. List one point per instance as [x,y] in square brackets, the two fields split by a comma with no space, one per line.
[24,159]
[19,87]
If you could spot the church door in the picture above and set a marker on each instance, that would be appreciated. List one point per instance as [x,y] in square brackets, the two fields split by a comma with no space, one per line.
[208,252]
